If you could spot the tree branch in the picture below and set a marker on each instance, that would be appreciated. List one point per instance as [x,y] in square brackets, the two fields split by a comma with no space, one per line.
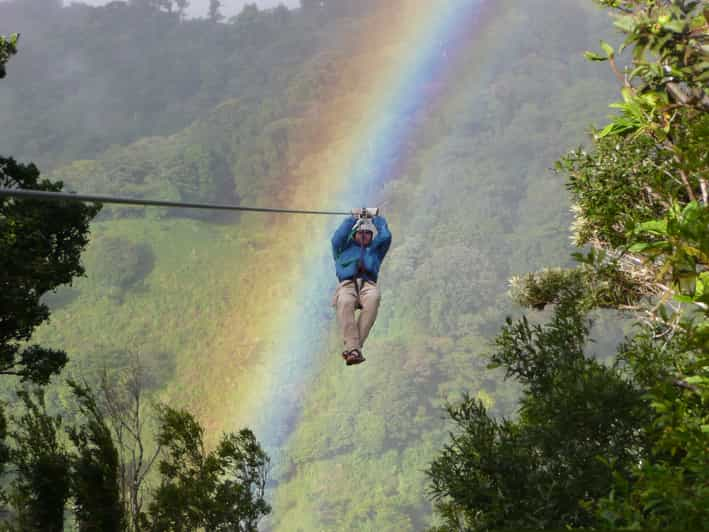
[617,72]
[691,97]
[685,180]
[685,385]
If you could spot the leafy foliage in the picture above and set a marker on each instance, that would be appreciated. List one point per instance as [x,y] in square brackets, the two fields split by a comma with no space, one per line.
[119,264]
[579,424]
[8,47]
[669,488]
[664,119]
[40,247]
[223,489]
[42,486]
[641,199]
[604,285]
[95,469]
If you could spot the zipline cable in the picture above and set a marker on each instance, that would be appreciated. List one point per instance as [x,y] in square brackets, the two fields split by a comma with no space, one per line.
[45,195]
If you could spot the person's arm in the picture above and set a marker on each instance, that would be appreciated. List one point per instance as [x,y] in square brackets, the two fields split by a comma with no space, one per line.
[383,239]
[339,238]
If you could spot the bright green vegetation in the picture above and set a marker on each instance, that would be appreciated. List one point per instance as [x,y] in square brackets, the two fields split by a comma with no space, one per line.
[622,445]
[189,290]
[224,116]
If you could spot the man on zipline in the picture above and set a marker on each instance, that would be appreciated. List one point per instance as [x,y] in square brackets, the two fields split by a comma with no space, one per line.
[358,247]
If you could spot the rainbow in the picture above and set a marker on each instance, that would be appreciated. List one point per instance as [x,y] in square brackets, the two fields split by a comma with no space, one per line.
[359,138]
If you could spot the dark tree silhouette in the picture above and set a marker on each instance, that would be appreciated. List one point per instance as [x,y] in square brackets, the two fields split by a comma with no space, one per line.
[40,248]
[214,14]
[95,469]
[42,485]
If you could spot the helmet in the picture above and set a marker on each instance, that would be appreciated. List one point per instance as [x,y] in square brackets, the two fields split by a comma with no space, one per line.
[365,224]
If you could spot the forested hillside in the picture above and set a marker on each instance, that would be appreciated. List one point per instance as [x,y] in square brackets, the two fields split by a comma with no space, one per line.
[133,102]
[147,72]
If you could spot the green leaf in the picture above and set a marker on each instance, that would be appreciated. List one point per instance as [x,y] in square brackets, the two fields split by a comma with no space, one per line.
[652,226]
[608,49]
[627,92]
[683,299]
[625,23]
[592,56]
[676,26]
[640,247]
[660,407]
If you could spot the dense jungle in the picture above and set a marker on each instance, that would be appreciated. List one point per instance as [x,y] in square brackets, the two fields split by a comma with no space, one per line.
[492,398]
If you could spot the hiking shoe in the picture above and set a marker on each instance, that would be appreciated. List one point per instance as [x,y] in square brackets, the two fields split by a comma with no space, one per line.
[354,357]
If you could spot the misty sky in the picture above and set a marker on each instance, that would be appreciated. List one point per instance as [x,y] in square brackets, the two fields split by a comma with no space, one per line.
[199,7]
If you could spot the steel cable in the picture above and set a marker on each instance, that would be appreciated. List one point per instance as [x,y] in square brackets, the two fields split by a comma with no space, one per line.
[46,195]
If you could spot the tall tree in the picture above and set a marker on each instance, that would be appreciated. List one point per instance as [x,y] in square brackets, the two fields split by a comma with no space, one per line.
[642,201]
[8,47]
[40,249]
[95,469]
[221,490]
[4,449]
[214,12]
[40,246]
[122,398]
[42,486]
[181,6]
[643,198]
[541,470]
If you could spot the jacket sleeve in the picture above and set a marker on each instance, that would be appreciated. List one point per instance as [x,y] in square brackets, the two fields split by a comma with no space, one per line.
[383,239]
[339,238]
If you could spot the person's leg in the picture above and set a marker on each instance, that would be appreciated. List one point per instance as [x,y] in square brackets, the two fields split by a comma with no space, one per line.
[345,301]
[369,297]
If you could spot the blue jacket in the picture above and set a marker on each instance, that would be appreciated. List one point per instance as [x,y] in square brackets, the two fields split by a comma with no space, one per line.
[347,253]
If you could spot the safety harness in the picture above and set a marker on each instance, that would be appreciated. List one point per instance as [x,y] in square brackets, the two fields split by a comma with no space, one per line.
[361,276]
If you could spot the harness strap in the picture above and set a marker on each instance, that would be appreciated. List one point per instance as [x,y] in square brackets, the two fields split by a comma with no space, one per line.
[361,275]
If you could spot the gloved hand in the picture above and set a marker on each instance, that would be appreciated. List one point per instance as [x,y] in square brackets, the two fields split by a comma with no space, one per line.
[365,224]
[365,212]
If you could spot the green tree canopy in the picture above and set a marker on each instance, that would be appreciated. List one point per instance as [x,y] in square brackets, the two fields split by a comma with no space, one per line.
[540,470]
[41,487]
[40,249]
[8,47]
[95,469]
[219,490]
[642,202]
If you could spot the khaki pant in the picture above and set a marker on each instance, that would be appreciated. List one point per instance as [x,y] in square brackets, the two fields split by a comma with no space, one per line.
[356,329]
